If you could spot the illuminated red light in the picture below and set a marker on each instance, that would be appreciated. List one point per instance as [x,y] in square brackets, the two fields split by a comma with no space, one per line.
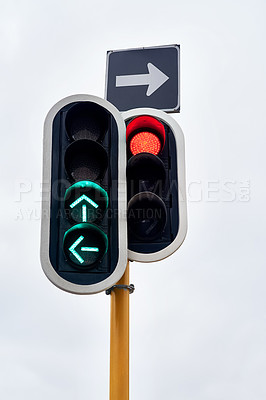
[145,134]
[145,142]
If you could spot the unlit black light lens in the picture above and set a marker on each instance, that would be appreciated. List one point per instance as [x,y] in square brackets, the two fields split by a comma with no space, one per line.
[146,216]
[86,160]
[145,172]
[86,120]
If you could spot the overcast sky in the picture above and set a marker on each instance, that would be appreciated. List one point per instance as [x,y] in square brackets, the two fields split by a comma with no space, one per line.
[197,318]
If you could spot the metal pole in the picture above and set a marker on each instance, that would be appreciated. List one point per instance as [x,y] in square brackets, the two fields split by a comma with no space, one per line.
[119,340]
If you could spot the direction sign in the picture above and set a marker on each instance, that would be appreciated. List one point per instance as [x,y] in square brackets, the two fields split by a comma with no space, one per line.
[145,77]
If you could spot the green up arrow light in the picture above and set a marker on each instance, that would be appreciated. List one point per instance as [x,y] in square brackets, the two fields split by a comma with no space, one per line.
[86,201]
[84,206]
[86,198]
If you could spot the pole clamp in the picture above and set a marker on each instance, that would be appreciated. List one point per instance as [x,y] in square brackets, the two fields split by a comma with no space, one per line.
[130,288]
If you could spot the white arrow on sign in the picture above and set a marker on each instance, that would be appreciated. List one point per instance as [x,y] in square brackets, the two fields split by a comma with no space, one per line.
[154,79]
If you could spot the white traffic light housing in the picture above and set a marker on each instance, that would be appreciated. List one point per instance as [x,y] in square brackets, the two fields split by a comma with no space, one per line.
[157,208]
[83,236]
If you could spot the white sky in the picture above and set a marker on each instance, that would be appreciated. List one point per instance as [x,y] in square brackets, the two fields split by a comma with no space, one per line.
[197,318]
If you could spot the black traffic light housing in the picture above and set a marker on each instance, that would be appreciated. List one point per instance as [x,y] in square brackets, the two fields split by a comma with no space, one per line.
[83,238]
[157,210]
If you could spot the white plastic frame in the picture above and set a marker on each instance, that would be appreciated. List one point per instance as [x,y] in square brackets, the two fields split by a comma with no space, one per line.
[122,202]
[182,200]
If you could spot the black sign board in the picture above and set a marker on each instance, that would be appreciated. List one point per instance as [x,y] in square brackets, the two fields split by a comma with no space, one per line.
[144,77]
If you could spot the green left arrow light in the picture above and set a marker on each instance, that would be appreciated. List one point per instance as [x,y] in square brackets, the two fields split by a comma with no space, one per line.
[85,244]
[76,254]
[96,249]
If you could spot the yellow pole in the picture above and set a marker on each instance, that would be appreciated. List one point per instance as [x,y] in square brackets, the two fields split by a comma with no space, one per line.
[119,340]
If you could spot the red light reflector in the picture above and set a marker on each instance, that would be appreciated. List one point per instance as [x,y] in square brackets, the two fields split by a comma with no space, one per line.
[145,142]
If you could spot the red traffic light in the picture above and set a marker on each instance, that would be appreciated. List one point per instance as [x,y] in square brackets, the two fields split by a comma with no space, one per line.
[145,134]
[145,142]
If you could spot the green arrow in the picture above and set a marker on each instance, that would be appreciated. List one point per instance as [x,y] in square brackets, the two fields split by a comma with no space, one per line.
[95,249]
[86,198]
[76,254]
[84,213]
[73,251]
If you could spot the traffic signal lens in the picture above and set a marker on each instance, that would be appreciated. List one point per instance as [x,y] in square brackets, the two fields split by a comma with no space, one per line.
[145,134]
[146,216]
[84,245]
[86,160]
[145,142]
[85,201]
[86,120]
[145,172]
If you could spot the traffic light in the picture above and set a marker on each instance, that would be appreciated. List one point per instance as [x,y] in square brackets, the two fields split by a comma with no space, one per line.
[157,211]
[83,238]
